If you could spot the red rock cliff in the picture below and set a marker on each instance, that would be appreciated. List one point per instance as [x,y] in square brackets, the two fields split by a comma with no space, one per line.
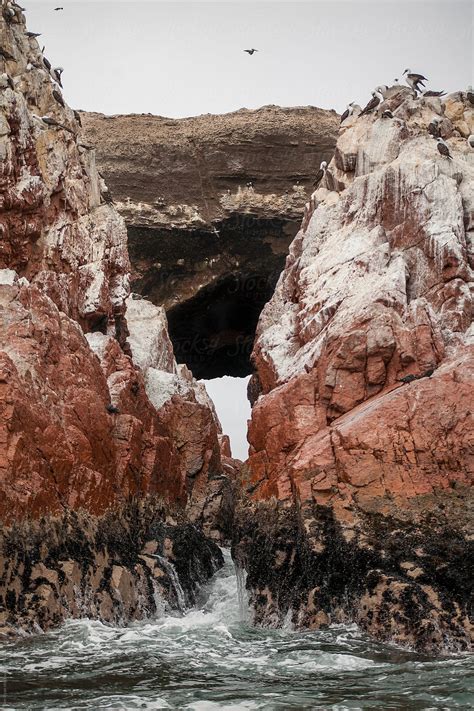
[361,441]
[86,426]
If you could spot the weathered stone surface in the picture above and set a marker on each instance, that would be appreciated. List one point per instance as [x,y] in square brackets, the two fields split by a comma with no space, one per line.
[211,205]
[56,228]
[80,437]
[165,172]
[116,568]
[377,291]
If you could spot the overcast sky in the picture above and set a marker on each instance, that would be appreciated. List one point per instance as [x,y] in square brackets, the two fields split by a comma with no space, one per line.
[186,58]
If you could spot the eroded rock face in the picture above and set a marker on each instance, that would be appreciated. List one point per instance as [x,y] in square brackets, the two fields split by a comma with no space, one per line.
[211,205]
[56,228]
[131,563]
[85,435]
[362,432]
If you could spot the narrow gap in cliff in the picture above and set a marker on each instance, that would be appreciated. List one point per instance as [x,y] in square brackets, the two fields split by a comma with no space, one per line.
[213,284]
[213,332]
[229,396]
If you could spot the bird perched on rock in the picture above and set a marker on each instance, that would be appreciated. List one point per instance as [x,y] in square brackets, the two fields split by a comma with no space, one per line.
[251,51]
[48,121]
[56,74]
[470,141]
[414,80]
[8,81]
[429,93]
[320,174]
[443,148]
[348,112]
[8,13]
[382,89]
[470,95]
[375,101]
[46,63]
[112,410]
[107,196]
[433,127]
[387,114]
[33,35]
[77,116]
[407,378]
[4,54]
[428,373]
[58,97]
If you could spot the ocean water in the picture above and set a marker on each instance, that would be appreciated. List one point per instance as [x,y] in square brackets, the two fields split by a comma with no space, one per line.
[211,658]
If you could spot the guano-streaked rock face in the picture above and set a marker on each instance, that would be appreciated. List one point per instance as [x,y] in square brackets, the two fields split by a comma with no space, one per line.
[359,485]
[98,461]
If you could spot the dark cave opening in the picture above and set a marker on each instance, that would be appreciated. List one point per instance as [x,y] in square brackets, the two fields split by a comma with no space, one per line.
[213,284]
[213,332]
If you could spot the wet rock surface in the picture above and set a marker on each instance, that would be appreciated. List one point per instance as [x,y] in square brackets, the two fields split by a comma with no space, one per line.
[361,426]
[134,562]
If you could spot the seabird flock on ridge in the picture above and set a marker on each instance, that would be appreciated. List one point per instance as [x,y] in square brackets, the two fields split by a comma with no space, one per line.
[9,13]
[416,82]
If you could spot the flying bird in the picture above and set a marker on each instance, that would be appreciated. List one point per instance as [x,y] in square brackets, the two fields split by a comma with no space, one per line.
[414,80]
[33,35]
[250,51]
[56,9]
[433,127]
[348,112]
[320,174]
[443,148]
[373,103]
[433,93]
[470,95]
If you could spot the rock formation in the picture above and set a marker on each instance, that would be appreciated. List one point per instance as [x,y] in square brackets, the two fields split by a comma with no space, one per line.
[360,473]
[211,205]
[103,439]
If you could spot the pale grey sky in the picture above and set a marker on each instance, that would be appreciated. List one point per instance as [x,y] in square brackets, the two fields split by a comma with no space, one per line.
[229,396]
[186,58]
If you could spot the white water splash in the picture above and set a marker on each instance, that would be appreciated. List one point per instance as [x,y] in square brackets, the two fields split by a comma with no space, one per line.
[174,578]
[208,658]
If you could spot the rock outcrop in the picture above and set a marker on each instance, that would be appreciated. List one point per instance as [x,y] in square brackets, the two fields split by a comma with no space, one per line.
[91,433]
[211,205]
[360,473]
